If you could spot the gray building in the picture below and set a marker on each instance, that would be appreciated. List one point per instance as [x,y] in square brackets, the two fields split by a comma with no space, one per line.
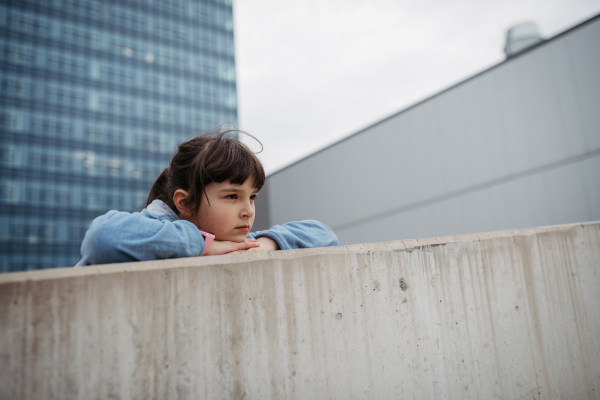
[515,146]
[94,96]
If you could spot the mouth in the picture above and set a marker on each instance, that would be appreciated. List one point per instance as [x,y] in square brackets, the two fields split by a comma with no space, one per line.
[243,228]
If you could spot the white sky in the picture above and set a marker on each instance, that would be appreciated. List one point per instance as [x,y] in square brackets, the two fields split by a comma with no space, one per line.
[311,72]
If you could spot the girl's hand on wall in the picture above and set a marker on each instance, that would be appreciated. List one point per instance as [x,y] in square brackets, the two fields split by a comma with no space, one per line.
[266,244]
[219,247]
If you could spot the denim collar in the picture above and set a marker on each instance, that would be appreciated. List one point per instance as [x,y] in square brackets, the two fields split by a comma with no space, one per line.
[158,209]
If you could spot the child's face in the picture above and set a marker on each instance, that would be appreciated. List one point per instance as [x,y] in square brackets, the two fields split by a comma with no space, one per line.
[230,214]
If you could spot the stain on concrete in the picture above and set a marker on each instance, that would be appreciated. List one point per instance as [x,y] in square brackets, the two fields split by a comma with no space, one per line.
[403,284]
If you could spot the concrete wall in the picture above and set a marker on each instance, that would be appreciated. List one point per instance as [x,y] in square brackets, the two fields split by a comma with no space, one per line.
[514,147]
[511,315]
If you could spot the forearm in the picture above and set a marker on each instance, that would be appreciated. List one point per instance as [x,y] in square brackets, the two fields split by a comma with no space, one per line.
[268,244]
[300,234]
[123,237]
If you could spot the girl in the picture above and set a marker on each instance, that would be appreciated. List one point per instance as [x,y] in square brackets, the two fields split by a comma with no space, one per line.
[202,204]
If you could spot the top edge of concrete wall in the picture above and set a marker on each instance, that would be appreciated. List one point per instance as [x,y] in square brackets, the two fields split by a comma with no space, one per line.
[397,245]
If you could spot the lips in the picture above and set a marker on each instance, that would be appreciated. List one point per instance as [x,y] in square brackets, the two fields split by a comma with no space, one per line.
[243,228]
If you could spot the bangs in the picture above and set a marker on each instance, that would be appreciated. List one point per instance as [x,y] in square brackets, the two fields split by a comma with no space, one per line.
[229,159]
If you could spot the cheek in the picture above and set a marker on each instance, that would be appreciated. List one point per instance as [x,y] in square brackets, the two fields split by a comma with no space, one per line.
[220,217]
[204,217]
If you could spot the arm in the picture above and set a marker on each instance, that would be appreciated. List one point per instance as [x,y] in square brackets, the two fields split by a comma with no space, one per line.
[299,235]
[123,237]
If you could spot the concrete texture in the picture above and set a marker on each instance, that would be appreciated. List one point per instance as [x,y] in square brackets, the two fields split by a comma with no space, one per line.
[510,315]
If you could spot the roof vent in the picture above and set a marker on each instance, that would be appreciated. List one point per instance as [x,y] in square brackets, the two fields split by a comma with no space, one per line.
[521,37]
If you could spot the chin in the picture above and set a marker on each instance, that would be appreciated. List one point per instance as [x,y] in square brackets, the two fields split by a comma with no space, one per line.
[232,238]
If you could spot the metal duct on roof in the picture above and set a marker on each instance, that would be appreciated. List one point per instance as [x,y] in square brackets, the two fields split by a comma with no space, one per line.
[521,37]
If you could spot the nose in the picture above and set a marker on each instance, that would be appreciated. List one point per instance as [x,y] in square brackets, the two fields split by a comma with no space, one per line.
[247,210]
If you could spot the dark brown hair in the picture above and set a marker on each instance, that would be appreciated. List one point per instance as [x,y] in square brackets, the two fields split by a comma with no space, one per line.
[208,158]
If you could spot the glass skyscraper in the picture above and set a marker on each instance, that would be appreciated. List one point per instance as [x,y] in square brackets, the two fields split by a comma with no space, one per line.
[94,96]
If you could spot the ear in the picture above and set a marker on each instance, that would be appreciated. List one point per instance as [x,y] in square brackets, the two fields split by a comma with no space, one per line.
[179,198]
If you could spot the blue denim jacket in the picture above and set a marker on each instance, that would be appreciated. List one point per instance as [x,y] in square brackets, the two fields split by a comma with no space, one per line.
[157,233]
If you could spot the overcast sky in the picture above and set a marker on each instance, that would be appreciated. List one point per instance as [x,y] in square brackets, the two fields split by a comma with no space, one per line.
[311,72]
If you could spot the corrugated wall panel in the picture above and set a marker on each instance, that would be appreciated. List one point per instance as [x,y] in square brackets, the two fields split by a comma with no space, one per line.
[568,98]
[591,176]
[512,205]
[585,61]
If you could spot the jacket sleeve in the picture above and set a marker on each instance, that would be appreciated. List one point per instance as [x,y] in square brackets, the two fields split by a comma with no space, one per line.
[123,237]
[299,235]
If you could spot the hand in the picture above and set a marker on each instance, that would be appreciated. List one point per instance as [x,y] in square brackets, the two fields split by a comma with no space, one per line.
[219,247]
[266,244]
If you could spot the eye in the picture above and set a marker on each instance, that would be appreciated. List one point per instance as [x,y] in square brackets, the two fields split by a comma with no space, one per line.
[231,196]
[253,197]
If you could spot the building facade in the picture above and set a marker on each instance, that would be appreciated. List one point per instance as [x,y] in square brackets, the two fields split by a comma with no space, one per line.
[515,146]
[94,97]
